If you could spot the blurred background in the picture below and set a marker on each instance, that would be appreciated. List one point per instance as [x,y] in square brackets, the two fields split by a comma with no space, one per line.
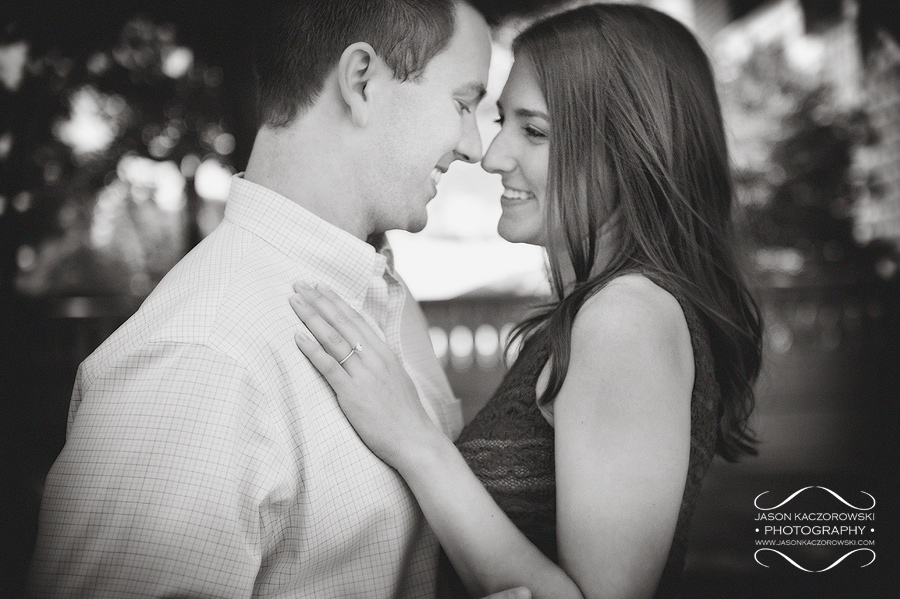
[122,122]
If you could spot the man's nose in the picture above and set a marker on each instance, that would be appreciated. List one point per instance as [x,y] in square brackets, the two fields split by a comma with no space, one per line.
[469,148]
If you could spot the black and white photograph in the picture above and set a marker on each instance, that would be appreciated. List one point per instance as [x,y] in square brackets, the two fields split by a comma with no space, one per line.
[491,299]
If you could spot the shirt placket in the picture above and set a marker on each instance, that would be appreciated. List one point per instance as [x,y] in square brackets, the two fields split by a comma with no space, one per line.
[384,303]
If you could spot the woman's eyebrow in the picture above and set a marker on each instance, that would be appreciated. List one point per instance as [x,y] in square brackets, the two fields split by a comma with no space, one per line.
[525,112]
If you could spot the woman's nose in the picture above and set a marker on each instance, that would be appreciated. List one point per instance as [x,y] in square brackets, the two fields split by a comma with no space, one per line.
[497,160]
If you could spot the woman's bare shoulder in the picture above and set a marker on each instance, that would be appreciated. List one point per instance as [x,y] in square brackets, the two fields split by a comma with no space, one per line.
[632,300]
[633,316]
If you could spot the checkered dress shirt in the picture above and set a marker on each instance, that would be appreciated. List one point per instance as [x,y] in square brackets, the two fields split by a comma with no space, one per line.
[206,457]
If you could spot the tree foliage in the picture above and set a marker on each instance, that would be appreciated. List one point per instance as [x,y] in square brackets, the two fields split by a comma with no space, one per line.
[794,147]
[105,142]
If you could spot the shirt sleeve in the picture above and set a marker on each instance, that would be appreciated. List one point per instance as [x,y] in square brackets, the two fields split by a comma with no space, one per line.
[157,490]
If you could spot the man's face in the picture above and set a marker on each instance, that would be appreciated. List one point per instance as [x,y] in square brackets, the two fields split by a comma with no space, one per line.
[423,125]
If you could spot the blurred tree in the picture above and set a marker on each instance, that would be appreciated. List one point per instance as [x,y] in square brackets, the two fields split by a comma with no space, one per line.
[166,86]
[101,168]
[794,149]
[111,116]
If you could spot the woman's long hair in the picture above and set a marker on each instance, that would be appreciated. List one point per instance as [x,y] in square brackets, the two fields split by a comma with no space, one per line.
[637,135]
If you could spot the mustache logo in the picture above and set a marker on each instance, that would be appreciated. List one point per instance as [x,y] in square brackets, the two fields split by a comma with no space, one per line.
[838,497]
[799,567]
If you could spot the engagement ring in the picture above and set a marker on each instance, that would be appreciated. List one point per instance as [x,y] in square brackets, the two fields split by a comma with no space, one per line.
[353,350]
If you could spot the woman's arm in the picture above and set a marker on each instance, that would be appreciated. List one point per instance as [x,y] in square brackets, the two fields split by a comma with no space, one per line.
[622,423]
[487,550]
[381,402]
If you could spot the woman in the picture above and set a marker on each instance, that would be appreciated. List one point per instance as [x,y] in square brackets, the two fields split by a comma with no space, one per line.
[579,476]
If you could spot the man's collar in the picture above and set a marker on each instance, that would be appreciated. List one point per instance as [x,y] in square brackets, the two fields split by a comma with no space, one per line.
[381,245]
[327,253]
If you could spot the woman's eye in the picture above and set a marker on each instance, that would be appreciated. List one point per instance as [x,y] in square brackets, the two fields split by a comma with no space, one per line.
[534,132]
[463,107]
[499,120]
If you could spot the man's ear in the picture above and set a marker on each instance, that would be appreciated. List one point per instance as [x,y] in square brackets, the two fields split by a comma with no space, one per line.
[356,69]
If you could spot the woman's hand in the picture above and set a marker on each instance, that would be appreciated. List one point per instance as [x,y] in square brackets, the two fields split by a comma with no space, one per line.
[381,403]
[372,387]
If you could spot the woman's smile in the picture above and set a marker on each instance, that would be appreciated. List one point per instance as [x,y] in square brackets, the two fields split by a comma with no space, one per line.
[513,197]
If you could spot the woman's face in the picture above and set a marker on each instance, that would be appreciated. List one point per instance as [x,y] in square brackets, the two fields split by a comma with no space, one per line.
[520,154]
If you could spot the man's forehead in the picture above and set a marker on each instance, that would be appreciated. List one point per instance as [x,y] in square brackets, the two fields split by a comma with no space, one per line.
[471,32]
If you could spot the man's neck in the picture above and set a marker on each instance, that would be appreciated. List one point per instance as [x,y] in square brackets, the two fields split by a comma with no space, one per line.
[304,165]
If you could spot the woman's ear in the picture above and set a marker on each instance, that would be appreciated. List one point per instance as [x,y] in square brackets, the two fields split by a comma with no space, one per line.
[356,69]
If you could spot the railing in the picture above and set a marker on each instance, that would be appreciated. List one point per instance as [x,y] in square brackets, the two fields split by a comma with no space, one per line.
[831,359]
[469,336]
[825,346]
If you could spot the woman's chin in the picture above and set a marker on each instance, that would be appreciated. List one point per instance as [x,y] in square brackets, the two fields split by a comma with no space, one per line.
[518,239]
[515,234]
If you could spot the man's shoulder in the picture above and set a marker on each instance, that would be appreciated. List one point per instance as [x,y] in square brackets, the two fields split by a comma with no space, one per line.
[221,295]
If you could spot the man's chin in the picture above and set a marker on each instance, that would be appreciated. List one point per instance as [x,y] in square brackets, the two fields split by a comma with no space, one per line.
[416,219]
[417,226]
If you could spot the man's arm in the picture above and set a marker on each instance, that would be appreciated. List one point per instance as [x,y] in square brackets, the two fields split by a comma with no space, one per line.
[152,494]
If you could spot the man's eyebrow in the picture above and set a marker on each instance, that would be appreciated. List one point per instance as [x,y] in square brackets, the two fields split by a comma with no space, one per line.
[474,90]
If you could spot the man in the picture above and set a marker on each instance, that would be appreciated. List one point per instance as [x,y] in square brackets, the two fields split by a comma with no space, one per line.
[205,456]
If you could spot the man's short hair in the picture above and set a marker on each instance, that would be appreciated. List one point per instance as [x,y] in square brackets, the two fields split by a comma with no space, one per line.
[300,41]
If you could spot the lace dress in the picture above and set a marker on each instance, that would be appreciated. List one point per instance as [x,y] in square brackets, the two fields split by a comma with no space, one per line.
[509,447]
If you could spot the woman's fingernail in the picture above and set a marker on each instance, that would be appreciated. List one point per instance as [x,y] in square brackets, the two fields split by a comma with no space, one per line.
[302,337]
[300,285]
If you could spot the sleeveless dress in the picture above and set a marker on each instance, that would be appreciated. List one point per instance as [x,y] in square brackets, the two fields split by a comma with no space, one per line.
[509,447]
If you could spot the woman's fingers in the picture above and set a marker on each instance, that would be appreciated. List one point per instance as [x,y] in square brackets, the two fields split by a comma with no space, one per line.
[373,389]
[336,376]
[338,313]
[335,342]
[347,313]
[517,593]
